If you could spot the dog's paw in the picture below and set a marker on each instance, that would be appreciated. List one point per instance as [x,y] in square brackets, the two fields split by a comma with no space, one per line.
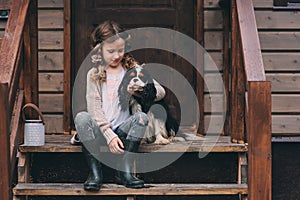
[161,140]
[144,141]
[178,139]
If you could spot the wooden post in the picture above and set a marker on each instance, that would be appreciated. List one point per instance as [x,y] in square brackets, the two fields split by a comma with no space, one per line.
[259,138]
[67,67]
[199,37]
[226,63]
[237,82]
[242,172]
[31,55]
[5,179]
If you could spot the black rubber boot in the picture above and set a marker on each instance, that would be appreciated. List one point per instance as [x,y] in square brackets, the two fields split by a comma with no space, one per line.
[94,180]
[125,177]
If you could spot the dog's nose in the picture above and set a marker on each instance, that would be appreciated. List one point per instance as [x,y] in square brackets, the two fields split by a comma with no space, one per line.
[135,80]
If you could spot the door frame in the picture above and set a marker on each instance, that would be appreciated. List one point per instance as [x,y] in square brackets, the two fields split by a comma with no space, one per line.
[198,36]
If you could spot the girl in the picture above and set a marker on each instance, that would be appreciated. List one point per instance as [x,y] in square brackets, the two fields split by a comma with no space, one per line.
[121,131]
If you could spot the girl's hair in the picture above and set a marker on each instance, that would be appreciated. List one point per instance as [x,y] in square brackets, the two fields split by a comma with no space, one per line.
[108,31]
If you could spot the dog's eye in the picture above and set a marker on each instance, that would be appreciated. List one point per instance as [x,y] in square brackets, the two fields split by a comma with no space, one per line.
[141,75]
[132,74]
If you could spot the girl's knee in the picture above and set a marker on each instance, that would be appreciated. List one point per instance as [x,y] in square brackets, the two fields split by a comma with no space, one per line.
[82,118]
[141,118]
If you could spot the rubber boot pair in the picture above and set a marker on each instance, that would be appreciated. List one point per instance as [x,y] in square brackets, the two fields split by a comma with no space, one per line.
[125,176]
[95,178]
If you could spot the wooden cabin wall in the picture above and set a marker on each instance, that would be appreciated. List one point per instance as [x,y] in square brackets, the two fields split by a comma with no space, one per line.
[51,67]
[279,33]
[280,38]
[213,43]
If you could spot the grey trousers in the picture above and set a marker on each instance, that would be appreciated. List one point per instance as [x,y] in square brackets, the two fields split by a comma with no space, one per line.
[132,129]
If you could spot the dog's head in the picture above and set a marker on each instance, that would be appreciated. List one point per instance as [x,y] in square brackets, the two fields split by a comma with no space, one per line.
[138,81]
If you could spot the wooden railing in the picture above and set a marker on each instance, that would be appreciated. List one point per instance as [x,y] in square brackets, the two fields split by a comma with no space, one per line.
[18,81]
[250,99]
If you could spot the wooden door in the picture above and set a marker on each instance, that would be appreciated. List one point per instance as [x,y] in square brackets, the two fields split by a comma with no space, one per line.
[173,14]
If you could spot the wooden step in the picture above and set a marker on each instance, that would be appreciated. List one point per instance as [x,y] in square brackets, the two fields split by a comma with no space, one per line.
[76,189]
[60,143]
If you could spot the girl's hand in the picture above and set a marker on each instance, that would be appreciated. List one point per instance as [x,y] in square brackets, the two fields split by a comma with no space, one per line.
[116,146]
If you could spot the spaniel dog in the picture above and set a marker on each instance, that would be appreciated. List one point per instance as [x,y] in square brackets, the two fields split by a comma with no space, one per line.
[161,126]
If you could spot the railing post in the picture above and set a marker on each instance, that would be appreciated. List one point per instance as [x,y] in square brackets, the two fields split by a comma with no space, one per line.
[259,138]
[5,187]
[31,55]
[199,37]
[67,67]
[237,101]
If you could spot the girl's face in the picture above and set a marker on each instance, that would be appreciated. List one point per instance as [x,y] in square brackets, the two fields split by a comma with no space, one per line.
[113,52]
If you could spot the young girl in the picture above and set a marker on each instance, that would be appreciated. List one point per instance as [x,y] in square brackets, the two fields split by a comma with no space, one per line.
[122,131]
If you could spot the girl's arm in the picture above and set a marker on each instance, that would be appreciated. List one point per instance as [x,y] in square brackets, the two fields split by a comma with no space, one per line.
[93,99]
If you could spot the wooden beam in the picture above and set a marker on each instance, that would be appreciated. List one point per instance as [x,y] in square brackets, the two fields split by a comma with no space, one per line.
[76,189]
[5,180]
[31,55]
[61,143]
[16,129]
[67,67]
[199,37]
[5,4]
[12,40]
[259,139]
[253,61]
[237,104]
[226,63]
[24,167]
[15,79]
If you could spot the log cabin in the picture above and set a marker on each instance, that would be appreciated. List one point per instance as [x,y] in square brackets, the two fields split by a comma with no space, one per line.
[255,46]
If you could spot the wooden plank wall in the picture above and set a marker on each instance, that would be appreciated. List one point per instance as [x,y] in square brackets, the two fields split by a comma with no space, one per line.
[280,43]
[213,33]
[51,67]
[279,33]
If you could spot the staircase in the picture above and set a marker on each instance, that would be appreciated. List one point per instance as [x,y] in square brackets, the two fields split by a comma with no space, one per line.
[60,144]
[249,120]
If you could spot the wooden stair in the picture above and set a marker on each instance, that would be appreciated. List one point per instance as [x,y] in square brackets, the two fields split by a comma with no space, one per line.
[76,189]
[60,144]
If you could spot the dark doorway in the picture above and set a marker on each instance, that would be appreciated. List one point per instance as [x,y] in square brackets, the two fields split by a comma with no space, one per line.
[173,14]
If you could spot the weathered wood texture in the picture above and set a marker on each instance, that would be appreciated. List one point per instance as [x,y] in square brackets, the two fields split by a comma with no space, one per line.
[30,72]
[10,48]
[252,57]
[4,143]
[17,49]
[51,62]
[237,107]
[5,4]
[112,189]
[259,138]
[281,65]
[16,128]
[60,143]
[199,37]
[67,67]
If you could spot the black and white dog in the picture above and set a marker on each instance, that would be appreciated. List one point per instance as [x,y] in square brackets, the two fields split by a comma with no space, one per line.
[162,126]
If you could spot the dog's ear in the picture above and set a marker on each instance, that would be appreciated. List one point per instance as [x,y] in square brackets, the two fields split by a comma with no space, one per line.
[148,96]
[124,95]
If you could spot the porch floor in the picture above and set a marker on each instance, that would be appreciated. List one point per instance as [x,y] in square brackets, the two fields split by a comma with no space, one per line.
[60,143]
